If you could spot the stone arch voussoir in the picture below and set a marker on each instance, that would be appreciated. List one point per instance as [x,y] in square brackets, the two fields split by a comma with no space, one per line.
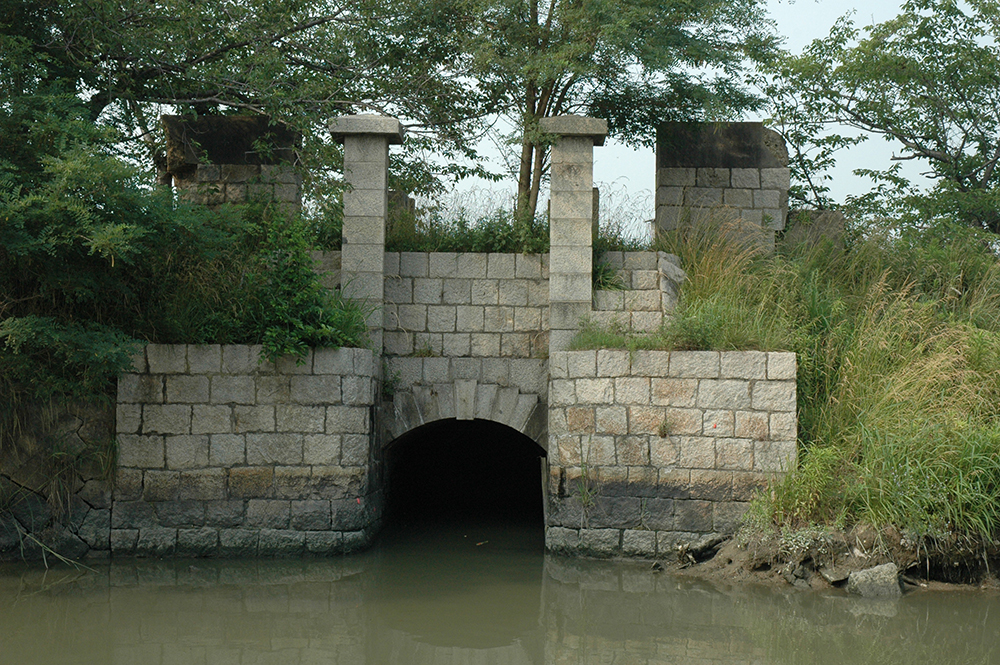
[467,399]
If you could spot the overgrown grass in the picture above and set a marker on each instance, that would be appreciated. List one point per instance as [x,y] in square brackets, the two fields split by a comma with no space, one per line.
[898,345]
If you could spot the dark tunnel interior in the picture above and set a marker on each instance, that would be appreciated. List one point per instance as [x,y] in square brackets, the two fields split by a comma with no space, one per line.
[469,471]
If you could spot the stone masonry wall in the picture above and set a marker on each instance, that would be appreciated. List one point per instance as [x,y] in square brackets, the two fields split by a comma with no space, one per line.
[220,454]
[657,448]
[721,173]
[465,304]
[215,184]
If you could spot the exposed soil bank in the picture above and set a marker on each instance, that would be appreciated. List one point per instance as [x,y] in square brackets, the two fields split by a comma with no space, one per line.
[822,558]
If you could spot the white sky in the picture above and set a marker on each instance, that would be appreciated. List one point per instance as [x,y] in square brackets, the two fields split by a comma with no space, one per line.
[799,22]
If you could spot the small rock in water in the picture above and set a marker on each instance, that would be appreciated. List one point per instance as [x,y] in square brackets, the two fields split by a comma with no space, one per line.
[878,582]
[834,576]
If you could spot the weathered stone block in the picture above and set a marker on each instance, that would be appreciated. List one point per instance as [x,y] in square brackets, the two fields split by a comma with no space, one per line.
[674,392]
[664,452]
[598,450]
[300,419]
[140,388]
[456,291]
[310,515]
[226,513]
[783,427]
[727,516]
[774,456]
[166,419]
[132,515]
[775,178]
[612,420]
[180,513]
[206,419]
[600,542]
[456,344]
[156,542]
[187,452]
[632,391]
[268,513]
[251,482]
[562,540]
[355,449]
[498,319]
[595,391]
[333,361]
[240,359]
[334,482]
[348,514]
[128,418]
[710,485]
[724,394]
[718,423]
[254,418]
[413,264]
[128,483]
[650,363]
[674,422]
[781,366]
[226,449]
[273,389]
[197,542]
[743,365]
[638,543]
[274,448]
[694,364]
[232,389]
[693,516]
[292,482]
[96,529]
[441,318]
[632,450]
[203,485]
[321,449]
[752,425]
[646,419]
[166,358]
[774,396]
[696,452]
[186,389]
[238,542]
[324,542]
[145,452]
[347,420]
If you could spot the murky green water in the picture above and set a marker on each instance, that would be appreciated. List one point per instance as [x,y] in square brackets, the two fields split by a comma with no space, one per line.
[475,596]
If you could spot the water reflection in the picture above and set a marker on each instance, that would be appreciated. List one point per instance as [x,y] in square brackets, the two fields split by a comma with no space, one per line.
[461,596]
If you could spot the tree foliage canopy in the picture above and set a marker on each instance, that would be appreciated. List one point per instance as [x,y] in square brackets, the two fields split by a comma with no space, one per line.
[635,63]
[928,80]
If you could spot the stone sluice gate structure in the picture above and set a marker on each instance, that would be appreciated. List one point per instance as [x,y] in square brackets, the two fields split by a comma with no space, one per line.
[221,454]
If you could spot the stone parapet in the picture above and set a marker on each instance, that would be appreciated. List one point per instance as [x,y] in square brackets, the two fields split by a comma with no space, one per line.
[653,448]
[223,454]
[721,174]
[467,305]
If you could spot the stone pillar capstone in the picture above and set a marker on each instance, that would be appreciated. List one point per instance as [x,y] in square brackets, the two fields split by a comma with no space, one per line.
[571,223]
[366,140]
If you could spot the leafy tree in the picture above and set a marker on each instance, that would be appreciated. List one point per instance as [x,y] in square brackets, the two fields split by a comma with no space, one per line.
[634,62]
[929,80]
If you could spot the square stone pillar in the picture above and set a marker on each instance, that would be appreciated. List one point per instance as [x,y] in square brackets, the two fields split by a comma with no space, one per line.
[571,223]
[366,140]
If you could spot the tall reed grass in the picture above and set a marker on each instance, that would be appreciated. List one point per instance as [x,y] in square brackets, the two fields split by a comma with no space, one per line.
[899,367]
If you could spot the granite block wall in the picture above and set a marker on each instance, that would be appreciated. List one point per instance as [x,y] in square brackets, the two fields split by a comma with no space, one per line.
[655,448]
[221,454]
[466,305]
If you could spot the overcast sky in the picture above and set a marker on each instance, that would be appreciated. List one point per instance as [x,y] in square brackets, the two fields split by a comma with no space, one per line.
[799,22]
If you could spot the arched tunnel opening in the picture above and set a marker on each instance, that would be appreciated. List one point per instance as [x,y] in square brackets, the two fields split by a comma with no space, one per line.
[464,472]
